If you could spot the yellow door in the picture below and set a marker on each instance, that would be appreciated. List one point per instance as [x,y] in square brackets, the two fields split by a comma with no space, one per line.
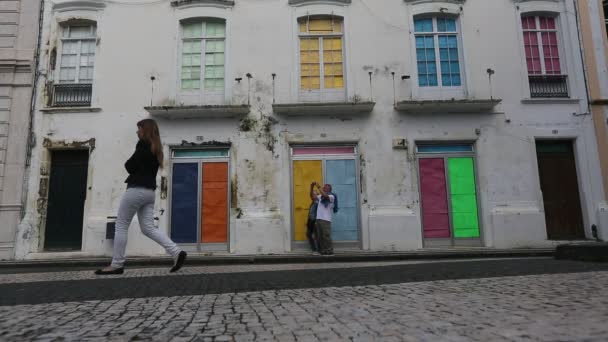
[304,173]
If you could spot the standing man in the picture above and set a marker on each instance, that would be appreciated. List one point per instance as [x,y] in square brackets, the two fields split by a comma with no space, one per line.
[325,210]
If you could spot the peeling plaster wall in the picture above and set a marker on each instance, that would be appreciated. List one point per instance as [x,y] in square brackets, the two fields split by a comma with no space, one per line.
[511,206]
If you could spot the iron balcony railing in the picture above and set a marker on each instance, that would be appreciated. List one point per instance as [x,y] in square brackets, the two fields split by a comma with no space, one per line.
[548,86]
[72,95]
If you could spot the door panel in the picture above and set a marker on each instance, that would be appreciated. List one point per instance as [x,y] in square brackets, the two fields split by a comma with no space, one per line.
[559,185]
[463,197]
[304,172]
[436,222]
[67,195]
[214,222]
[184,203]
[341,174]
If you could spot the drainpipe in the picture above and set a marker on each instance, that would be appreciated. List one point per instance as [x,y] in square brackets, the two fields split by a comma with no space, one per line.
[31,136]
[582,53]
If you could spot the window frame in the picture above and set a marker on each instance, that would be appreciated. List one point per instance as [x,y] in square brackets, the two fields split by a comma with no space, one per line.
[605,16]
[439,91]
[93,38]
[539,31]
[200,96]
[322,94]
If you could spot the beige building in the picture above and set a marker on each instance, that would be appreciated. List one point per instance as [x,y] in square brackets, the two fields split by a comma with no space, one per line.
[593,24]
[18,40]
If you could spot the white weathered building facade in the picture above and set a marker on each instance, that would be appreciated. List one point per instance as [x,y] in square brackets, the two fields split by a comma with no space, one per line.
[439,123]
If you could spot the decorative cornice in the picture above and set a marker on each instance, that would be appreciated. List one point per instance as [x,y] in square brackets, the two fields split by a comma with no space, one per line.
[416,2]
[521,1]
[75,5]
[315,2]
[211,3]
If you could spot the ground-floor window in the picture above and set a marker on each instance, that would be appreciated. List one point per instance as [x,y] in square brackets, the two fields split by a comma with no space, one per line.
[335,165]
[448,194]
[199,199]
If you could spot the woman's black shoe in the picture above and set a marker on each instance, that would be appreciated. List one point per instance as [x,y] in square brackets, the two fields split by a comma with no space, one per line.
[181,257]
[114,271]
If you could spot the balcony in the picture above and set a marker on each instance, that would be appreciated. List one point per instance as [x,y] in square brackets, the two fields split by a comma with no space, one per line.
[72,95]
[548,86]
[453,106]
[326,109]
[198,111]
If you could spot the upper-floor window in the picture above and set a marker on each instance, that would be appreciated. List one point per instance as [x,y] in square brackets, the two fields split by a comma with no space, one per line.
[605,7]
[321,58]
[76,63]
[203,58]
[543,57]
[77,54]
[437,52]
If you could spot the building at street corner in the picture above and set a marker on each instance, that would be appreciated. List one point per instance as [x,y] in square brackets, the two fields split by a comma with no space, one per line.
[592,23]
[19,26]
[439,124]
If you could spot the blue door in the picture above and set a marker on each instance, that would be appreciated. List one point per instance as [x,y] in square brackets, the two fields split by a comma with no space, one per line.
[341,174]
[184,203]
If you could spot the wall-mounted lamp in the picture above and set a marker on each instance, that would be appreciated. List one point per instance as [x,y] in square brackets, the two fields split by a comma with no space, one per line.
[404,78]
[490,72]
[249,77]
[152,78]
[273,77]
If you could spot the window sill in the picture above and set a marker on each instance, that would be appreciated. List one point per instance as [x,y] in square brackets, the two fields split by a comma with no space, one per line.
[448,106]
[550,101]
[198,112]
[51,110]
[324,108]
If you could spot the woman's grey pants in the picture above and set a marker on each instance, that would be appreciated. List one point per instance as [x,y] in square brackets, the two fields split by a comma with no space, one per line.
[140,201]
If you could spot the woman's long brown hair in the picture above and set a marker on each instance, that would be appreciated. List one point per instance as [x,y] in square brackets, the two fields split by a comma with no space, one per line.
[152,136]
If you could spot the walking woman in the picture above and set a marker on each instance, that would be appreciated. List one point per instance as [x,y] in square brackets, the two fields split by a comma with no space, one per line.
[139,198]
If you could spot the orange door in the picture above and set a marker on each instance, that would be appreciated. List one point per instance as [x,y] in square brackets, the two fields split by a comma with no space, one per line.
[214,211]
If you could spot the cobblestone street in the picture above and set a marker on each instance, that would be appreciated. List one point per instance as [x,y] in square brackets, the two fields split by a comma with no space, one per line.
[479,300]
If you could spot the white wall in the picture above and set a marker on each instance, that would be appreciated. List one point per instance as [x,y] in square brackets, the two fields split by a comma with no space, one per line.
[137,41]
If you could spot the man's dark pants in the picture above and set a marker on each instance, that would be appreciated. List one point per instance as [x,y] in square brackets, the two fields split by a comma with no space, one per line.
[313,235]
[325,243]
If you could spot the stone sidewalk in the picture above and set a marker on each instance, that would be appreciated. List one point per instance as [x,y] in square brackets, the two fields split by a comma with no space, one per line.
[556,307]
[41,261]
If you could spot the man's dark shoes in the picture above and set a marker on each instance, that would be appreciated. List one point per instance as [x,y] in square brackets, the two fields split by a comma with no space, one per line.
[101,271]
[179,262]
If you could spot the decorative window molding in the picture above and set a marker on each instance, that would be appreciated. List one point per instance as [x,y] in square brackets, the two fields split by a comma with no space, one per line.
[432,7]
[318,2]
[539,6]
[542,34]
[202,3]
[321,59]
[437,51]
[416,2]
[73,76]
[79,5]
[201,63]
